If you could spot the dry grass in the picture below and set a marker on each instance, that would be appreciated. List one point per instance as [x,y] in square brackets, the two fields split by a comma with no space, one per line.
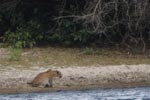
[54,56]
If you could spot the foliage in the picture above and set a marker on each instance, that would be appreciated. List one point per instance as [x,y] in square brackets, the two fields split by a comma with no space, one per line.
[76,22]
[24,36]
[69,33]
[19,39]
[120,22]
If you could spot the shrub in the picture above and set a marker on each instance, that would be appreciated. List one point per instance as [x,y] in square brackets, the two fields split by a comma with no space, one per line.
[19,39]
[25,36]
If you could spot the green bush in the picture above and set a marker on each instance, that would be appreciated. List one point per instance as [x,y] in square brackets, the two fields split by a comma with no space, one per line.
[25,36]
[70,33]
[19,39]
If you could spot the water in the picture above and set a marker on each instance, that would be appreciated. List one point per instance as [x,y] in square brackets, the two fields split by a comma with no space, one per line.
[99,94]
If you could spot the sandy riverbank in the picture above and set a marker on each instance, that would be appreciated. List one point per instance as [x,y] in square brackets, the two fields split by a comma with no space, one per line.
[14,80]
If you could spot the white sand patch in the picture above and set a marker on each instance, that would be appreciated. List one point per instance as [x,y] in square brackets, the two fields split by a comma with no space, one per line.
[76,75]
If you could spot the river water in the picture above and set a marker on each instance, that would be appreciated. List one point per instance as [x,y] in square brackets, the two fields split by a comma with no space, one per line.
[142,93]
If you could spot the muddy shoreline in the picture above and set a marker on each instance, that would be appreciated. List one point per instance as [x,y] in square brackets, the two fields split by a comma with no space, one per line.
[71,88]
[14,80]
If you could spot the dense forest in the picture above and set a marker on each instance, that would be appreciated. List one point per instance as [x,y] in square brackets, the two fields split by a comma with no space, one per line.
[100,23]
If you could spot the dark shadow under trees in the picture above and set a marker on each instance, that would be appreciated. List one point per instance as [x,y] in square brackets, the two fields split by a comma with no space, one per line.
[76,22]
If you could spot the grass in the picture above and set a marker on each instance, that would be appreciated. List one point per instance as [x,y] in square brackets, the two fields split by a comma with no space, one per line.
[55,56]
[14,54]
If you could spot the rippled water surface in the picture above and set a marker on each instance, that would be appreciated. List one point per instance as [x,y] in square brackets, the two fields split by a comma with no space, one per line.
[99,94]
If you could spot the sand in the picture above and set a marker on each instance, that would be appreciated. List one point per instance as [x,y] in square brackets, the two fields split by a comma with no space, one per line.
[14,80]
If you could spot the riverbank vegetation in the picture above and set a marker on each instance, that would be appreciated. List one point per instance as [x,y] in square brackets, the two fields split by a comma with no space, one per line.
[56,56]
[64,32]
[94,23]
